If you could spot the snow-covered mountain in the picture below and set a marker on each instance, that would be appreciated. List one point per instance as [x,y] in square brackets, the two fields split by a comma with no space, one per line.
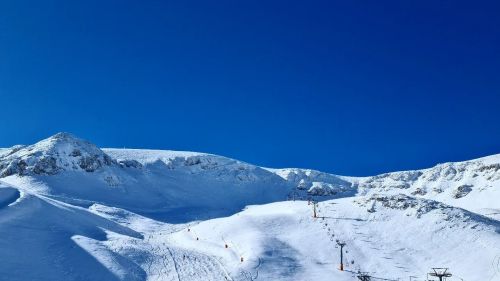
[147,181]
[461,184]
[72,211]
[61,152]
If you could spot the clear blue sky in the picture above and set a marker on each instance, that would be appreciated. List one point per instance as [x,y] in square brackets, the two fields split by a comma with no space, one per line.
[351,87]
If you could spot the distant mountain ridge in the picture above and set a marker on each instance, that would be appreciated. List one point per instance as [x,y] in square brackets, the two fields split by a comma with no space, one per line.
[473,184]
[74,170]
[64,152]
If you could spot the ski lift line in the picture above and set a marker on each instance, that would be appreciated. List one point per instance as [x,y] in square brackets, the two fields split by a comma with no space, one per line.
[495,262]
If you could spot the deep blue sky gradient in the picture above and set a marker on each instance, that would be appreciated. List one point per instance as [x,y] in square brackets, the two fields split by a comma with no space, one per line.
[350,87]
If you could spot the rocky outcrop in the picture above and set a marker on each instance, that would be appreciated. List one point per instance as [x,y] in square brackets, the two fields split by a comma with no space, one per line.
[456,178]
[462,191]
[61,152]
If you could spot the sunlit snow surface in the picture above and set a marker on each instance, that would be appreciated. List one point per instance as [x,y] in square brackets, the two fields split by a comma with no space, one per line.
[166,215]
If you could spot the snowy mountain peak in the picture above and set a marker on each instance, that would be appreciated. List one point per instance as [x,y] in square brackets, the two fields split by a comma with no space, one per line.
[66,143]
[60,152]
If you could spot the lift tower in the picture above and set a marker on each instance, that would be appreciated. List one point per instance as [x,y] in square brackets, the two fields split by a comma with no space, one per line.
[440,272]
[341,244]
[315,205]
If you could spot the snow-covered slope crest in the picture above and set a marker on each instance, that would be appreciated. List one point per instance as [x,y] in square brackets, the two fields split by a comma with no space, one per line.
[482,171]
[473,184]
[194,163]
[418,207]
[60,152]
[315,183]
[66,152]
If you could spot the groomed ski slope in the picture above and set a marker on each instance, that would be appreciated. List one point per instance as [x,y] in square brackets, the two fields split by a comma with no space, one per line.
[281,241]
[277,241]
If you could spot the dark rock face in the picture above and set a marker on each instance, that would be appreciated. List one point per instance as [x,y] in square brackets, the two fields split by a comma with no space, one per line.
[130,164]
[462,191]
[94,162]
[492,167]
[15,167]
[75,153]
[191,161]
[89,163]
[321,192]
[419,191]
[401,202]
[46,165]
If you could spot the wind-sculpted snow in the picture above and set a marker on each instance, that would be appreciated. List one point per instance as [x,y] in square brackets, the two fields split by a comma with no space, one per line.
[8,195]
[213,166]
[36,241]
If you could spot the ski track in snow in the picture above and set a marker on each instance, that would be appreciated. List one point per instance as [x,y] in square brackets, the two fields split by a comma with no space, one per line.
[275,241]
